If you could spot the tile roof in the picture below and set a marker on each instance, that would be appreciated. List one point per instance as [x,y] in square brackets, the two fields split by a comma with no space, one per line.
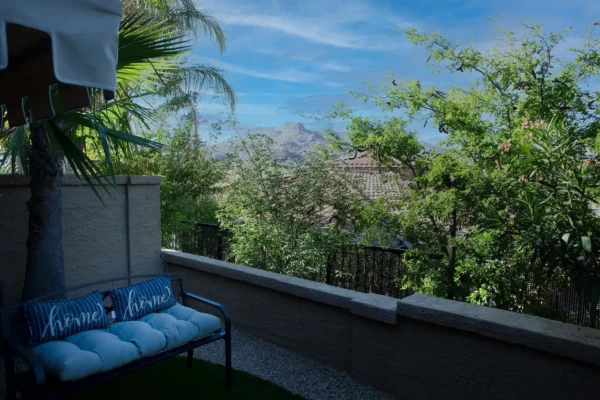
[374,185]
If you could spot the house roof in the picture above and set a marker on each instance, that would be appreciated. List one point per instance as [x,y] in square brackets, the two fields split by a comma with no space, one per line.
[374,185]
[364,162]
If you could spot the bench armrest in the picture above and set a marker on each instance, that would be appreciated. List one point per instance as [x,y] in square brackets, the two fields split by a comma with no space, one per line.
[34,362]
[213,304]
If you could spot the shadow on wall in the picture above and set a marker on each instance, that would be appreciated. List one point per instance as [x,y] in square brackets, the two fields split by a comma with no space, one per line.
[121,237]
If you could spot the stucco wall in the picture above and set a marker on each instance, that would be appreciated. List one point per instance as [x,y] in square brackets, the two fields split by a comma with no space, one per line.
[119,237]
[420,347]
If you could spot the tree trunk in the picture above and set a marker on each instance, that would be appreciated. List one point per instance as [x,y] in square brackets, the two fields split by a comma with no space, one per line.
[452,257]
[45,262]
[451,249]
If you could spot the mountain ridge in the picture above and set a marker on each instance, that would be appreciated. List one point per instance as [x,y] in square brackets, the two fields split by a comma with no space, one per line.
[291,140]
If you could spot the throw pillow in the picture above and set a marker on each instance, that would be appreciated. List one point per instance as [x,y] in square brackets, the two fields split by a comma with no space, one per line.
[57,319]
[135,301]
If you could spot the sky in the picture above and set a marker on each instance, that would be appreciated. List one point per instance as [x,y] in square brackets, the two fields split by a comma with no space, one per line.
[288,59]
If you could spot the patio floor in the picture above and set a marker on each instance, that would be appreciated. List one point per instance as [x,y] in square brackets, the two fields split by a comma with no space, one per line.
[298,374]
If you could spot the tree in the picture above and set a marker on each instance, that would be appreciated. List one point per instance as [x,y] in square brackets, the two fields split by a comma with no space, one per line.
[150,51]
[284,216]
[190,177]
[505,209]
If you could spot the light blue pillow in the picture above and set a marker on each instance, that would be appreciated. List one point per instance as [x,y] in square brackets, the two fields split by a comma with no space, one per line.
[135,301]
[57,319]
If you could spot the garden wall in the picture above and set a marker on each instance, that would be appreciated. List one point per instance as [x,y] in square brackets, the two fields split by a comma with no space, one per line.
[119,237]
[420,347]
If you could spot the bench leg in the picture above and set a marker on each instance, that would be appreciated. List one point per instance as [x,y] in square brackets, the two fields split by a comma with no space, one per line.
[228,372]
[190,358]
[9,371]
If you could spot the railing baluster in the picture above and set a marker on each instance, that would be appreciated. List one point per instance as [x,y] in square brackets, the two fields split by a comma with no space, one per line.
[381,278]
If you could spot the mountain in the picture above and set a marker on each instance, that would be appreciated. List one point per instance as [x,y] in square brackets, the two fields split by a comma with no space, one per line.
[291,140]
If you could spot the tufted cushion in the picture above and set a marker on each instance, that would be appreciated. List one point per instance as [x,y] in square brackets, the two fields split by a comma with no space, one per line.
[147,339]
[181,324]
[84,354]
[94,351]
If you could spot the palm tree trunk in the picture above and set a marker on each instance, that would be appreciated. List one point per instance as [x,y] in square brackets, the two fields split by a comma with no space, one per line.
[45,262]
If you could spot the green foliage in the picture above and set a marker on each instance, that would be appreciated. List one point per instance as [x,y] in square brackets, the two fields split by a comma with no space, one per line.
[189,178]
[285,216]
[506,208]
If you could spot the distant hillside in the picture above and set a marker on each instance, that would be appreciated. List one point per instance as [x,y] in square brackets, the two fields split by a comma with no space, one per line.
[291,140]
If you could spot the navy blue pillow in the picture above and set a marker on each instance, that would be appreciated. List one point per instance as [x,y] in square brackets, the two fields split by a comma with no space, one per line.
[135,301]
[56,319]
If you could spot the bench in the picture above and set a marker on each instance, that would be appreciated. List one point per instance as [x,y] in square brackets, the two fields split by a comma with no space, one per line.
[40,379]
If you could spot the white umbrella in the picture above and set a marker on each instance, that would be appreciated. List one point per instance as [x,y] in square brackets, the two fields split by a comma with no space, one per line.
[42,42]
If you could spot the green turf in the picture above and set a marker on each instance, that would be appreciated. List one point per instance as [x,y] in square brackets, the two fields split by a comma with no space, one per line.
[170,379]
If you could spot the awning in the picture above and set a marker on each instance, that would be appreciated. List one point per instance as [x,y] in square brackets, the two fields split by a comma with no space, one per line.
[43,42]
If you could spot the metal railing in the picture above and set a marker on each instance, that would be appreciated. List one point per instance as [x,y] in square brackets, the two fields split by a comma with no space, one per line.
[368,269]
[206,240]
[356,267]
[372,269]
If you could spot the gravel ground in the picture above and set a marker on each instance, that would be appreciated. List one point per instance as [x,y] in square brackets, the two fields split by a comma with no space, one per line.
[298,374]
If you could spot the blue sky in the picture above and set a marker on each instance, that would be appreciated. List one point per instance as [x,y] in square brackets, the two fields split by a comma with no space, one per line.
[288,58]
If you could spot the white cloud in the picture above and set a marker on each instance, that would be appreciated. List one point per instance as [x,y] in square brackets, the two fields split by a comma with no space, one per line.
[292,75]
[331,66]
[308,30]
[240,109]
[285,75]
[331,23]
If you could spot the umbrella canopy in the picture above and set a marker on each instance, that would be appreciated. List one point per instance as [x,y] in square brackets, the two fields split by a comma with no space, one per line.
[44,42]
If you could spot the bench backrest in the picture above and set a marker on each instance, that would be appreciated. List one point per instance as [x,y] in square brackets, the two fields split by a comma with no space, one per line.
[13,318]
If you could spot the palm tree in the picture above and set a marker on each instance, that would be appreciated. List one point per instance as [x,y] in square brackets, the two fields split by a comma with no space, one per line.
[151,63]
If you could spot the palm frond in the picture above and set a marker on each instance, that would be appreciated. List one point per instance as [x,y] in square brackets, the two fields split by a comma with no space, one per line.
[198,78]
[82,166]
[195,21]
[147,49]
[15,143]
[184,15]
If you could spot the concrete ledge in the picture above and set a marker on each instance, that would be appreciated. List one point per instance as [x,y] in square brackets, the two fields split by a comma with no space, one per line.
[72,180]
[144,179]
[555,337]
[376,307]
[367,305]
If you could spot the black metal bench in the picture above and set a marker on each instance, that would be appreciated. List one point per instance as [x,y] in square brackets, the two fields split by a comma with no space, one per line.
[34,382]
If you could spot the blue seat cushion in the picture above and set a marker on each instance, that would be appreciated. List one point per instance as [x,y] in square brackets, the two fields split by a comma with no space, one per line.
[182,324]
[95,351]
[147,339]
[84,354]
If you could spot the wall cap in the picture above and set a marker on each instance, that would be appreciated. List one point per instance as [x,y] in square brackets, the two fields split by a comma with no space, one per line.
[576,342]
[72,180]
[367,305]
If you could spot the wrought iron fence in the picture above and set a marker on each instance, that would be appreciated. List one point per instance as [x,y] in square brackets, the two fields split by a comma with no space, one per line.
[361,268]
[572,302]
[203,239]
[372,269]
[367,269]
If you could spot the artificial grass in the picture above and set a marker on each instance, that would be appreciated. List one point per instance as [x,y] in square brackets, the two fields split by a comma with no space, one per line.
[171,379]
